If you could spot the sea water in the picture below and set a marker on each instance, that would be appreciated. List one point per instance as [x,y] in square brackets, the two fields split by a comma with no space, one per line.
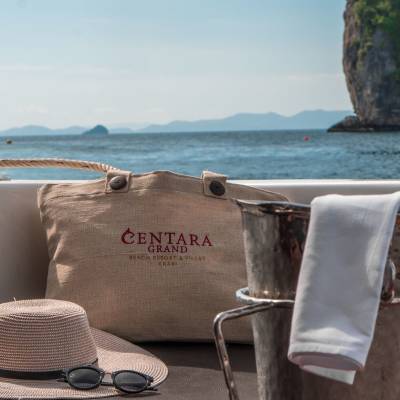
[240,155]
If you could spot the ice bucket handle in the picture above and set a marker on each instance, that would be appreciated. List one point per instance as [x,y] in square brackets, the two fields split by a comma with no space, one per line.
[255,304]
[252,308]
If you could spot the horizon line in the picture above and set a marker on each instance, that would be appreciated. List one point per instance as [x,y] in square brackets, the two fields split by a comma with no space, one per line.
[109,125]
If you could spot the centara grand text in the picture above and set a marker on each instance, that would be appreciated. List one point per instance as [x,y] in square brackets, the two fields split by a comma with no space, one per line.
[166,242]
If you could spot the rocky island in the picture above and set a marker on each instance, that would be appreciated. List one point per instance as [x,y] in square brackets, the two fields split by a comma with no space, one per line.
[371,63]
[97,130]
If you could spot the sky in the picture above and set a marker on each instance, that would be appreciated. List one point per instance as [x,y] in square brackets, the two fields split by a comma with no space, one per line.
[128,62]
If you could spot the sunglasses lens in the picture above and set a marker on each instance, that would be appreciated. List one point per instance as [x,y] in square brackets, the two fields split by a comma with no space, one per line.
[130,382]
[84,378]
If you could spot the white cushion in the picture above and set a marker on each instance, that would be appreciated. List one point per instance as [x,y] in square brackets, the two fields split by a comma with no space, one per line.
[24,258]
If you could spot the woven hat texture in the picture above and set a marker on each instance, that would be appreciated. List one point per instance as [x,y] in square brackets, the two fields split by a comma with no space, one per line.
[51,335]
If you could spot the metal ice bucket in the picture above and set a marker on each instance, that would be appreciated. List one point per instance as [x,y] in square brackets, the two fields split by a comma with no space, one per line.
[274,236]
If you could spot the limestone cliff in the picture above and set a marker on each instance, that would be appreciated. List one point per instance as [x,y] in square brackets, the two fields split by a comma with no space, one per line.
[371,63]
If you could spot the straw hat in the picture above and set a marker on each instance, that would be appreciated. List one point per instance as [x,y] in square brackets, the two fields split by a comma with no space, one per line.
[43,336]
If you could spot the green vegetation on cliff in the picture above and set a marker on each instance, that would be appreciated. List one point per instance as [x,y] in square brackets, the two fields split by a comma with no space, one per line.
[372,15]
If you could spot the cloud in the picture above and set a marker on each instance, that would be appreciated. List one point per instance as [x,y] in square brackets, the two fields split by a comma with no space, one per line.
[97,20]
[34,109]
[104,110]
[156,114]
[317,76]
[25,68]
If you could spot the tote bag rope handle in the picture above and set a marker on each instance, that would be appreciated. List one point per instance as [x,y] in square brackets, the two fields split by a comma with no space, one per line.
[56,163]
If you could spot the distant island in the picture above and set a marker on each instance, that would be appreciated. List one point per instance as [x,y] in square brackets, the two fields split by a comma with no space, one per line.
[314,119]
[311,119]
[97,130]
[39,130]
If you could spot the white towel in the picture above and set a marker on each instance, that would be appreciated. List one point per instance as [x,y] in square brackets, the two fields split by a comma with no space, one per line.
[340,282]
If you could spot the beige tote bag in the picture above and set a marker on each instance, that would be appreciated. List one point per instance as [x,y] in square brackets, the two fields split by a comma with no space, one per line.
[150,257]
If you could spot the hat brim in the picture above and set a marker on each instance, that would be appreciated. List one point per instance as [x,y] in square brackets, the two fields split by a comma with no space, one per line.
[113,353]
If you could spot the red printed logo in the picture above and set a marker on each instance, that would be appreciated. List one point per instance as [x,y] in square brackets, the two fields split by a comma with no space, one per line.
[165,242]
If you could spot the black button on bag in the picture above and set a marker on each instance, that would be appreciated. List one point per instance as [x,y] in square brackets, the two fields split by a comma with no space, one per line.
[217,188]
[118,182]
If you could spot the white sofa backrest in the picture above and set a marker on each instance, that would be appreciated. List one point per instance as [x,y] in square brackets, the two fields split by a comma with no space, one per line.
[23,249]
[24,258]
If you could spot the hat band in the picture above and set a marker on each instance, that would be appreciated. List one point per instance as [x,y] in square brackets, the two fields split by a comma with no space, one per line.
[37,376]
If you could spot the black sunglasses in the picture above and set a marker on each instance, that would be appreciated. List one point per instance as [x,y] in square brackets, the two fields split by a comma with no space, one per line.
[90,377]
